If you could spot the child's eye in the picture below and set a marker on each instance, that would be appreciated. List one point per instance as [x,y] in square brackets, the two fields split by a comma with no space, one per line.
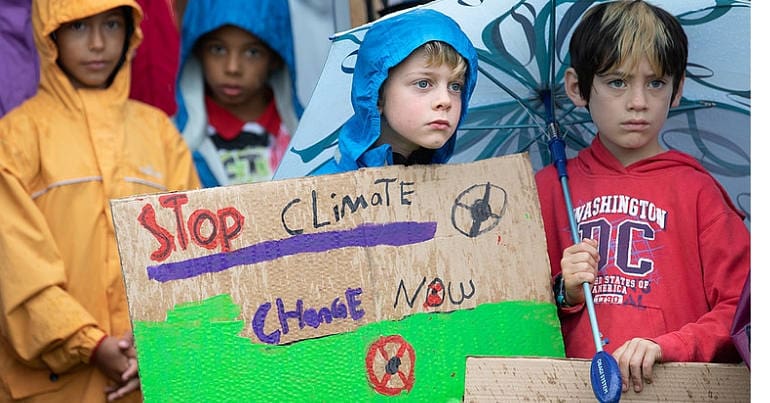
[217,49]
[456,87]
[617,83]
[657,84]
[77,26]
[253,52]
[114,24]
[422,84]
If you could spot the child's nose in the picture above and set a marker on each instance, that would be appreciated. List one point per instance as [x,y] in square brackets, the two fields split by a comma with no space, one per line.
[443,99]
[233,63]
[96,40]
[637,98]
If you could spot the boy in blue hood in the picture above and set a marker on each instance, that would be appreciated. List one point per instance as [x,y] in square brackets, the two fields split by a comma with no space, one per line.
[235,90]
[413,78]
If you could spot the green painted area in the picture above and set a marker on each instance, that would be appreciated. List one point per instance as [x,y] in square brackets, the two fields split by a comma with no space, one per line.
[198,355]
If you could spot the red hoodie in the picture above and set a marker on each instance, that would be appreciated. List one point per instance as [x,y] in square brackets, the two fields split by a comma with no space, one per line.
[674,253]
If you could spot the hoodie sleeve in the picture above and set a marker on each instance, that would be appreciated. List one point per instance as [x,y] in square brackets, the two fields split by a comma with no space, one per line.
[546,181]
[552,210]
[724,248]
[43,324]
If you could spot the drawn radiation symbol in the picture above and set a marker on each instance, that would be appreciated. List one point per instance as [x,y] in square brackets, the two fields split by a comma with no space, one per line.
[478,209]
[390,365]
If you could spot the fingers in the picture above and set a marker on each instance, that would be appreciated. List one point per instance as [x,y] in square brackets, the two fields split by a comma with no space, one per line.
[636,359]
[635,371]
[131,371]
[591,242]
[620,357]
[116,358]
[116,392]
[110,359]
[128,351]
[579,265]
[581,258]
[127,341]
[651,356]
[130,382]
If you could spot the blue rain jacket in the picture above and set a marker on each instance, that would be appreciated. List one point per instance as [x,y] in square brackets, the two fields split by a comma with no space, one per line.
[387,43]
[268,20]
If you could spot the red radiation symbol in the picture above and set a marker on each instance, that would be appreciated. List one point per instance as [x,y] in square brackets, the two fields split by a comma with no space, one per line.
[390,365]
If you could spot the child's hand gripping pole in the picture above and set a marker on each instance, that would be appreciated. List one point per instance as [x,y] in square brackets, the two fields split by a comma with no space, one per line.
[605,374]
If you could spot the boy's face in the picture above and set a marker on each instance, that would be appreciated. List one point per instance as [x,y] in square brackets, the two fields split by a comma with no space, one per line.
[629,108]
[90,49]
[420,105]
[236,66]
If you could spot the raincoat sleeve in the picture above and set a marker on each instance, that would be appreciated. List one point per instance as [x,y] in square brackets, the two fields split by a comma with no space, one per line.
[724,248]
[182,174]
[42,323]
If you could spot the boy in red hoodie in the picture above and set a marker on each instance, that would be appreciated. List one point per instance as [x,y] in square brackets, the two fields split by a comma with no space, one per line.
[664,249]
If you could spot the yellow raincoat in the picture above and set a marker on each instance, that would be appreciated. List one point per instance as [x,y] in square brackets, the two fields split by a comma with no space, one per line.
[63,155]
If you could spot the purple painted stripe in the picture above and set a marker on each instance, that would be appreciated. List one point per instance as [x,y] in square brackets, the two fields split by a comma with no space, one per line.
[365,235]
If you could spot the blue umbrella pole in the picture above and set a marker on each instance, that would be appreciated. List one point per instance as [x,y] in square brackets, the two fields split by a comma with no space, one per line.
[586,286]
[605,373]
[559,156]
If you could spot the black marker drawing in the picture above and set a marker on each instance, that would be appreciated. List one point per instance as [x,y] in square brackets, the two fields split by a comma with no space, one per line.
[485,210]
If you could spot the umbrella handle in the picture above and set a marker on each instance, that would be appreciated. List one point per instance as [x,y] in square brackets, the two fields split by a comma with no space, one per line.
[559,156]
[605,373]
[576,239]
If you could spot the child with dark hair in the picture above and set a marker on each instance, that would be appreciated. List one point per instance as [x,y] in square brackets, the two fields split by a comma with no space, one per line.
[65,333]
[236,88]
[664,249]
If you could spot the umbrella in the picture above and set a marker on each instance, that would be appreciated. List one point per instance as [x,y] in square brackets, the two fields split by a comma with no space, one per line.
[522,49]
[517,89]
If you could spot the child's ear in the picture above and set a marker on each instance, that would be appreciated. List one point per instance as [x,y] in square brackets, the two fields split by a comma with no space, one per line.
[572,89]
[678,96]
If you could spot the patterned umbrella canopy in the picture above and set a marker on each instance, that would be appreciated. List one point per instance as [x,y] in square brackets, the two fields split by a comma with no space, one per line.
[522,59]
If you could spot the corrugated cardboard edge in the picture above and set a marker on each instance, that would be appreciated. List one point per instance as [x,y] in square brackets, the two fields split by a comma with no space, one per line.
[516,379]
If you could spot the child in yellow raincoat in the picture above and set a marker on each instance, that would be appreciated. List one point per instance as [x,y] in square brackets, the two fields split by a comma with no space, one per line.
[64,153]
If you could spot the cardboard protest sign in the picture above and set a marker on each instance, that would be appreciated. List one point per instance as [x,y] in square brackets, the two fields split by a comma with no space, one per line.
[516,379]
[372,283]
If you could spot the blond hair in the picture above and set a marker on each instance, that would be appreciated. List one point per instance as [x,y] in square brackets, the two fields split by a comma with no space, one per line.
[439,53]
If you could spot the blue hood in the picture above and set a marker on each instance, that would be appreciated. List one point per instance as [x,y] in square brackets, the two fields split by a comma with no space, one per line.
[387,43]
[268,20]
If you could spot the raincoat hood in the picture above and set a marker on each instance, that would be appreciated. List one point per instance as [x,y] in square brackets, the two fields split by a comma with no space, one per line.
[48,16]
[64,154]
[387,43]
[270,21]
